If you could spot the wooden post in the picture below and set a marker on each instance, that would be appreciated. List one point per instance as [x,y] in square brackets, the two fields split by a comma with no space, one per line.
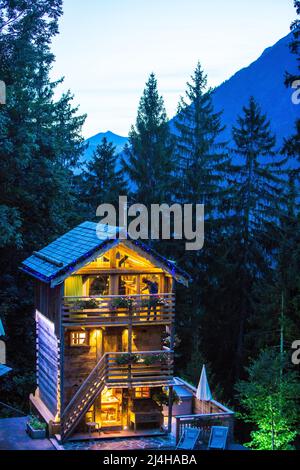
[61,354]
[177,430]
[170,409]
[231,429]
[129,341]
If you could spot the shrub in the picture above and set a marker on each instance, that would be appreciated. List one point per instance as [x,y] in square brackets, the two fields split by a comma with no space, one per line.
[36,424]
[127,359]
[122,302]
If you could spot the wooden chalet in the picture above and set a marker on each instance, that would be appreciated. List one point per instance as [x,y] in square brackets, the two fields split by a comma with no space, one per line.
[104,310]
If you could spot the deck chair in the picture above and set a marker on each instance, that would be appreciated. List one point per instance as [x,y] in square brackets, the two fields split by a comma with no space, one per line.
[188,439]
[218,437]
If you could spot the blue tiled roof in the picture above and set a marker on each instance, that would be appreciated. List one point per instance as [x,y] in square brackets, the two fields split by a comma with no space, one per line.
[2,332]
[4,369]
[79,244]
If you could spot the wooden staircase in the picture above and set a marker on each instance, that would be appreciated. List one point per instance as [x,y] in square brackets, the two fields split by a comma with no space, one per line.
[84,398]
[108,372]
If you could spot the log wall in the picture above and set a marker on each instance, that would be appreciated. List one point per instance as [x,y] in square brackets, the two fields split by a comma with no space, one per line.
[47,362]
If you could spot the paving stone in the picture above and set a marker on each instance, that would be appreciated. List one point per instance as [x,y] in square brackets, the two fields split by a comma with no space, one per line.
[159,442]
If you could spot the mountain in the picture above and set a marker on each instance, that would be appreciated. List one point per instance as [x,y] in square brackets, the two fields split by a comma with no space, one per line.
[95,140]
[264,79]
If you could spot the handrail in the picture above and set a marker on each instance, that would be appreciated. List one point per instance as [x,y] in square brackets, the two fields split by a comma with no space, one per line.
[85,383]
[107,372]
[205,415]
[201,421]
[140,353]
[143,309]
[171,294]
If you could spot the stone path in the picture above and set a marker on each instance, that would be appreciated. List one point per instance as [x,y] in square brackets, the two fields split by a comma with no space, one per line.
[158,442]
[13,436]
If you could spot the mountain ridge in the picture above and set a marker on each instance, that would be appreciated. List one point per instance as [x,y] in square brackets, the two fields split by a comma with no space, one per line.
[263,78]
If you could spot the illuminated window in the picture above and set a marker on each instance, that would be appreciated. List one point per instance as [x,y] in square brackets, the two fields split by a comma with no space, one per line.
[142,392]
[79,338]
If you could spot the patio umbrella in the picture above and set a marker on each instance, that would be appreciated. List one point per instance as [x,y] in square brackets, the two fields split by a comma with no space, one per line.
[203,391]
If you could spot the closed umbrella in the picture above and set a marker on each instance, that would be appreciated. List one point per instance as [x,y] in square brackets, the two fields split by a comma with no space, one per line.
[203,391]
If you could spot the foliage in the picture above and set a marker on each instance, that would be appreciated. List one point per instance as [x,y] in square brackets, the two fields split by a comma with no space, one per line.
[270,400]
[122,302]
[161,397]
[40,141]
[125,359]
[85,304]
[162,358]
[200,154]
[36,424]
[101,181]
[148,159]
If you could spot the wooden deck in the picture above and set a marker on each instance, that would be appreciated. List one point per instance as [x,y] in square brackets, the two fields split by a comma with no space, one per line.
[123,433]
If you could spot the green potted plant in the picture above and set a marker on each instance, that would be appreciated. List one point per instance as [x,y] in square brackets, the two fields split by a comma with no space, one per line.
[85,304]
[161,358]
[35,428]
[162,398]
[122,302]
[125,359]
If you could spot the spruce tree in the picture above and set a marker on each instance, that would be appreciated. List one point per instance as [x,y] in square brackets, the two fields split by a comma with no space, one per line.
[202,166]
[291,146]
[148,159]
[201,157]
[102,181]
[278,294]
[256,191]
[39,142]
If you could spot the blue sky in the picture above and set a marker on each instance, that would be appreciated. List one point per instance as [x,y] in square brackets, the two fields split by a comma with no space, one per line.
[107,48]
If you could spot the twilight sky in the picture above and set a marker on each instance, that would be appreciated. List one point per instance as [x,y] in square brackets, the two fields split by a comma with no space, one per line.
[107,48]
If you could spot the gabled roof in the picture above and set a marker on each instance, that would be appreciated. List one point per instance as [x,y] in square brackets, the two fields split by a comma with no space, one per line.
[2,331]
[81,245]
[4,369]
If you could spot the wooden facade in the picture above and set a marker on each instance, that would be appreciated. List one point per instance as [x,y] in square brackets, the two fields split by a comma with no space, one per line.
[102,353]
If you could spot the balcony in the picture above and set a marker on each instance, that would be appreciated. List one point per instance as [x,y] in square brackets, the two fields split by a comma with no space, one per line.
[140,368]
[118,310]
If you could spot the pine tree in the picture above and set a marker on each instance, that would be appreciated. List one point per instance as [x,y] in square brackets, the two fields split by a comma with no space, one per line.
[257,187]
[278,294]
[291,146]
[39,142]
[202,166]
[200,154]
[102,181]
[148,157]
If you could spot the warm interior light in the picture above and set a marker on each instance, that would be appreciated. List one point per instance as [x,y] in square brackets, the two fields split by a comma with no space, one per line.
[78,338]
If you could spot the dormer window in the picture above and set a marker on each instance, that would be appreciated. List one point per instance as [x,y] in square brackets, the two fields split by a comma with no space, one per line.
[79,338]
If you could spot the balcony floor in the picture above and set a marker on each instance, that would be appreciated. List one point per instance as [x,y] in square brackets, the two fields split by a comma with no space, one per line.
[122,433]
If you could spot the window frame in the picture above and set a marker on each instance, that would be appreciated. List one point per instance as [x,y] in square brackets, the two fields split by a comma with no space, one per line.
[142,391]
[73,335]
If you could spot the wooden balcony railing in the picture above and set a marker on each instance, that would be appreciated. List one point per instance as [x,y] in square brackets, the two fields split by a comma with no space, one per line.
[118,310]
[140,368]
[204,422]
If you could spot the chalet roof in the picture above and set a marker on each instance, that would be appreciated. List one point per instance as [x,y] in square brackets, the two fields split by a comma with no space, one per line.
[2,331]
[4,369]
[81,245]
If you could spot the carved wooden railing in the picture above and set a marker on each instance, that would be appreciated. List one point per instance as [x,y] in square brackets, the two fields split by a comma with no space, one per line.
[113,370]
[144,308]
